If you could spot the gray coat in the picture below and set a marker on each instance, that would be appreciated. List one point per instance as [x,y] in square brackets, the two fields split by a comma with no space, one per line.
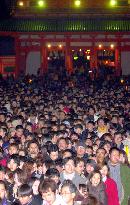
[77,179]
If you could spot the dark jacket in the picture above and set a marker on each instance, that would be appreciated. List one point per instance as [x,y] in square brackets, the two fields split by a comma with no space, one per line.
[98,192]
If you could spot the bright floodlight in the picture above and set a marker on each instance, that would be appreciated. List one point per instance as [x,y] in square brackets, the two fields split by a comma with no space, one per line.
[20,3]
[77,3]
[113,2]
[40,3]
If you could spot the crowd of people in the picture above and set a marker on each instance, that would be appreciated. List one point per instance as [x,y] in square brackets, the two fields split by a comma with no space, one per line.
[63,143]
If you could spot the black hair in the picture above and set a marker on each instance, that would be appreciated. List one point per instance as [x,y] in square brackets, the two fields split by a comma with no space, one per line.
[24,190]
[52,172]
[69,183]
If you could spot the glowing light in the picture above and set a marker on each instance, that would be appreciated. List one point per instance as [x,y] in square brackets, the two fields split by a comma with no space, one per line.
[20,3]
[100,46]
[122,81]
[88,57]
[106,62]
[113,2]
[48,58]
[80,49]
[60,46]
[30,81]
[112,46]
[77,3]
[75,57]
[72,50]
[41,3]
[49,45]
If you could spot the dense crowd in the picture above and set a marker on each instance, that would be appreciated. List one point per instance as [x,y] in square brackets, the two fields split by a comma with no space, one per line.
[64,143]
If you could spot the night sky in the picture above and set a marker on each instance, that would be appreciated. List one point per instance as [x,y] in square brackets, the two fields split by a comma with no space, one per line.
[5,8]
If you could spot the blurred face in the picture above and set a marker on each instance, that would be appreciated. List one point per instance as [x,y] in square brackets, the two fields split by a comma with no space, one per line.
[49,196]
[54,155]
[95,180]
[67,154]
[91,111]
[80,167]
[115,157]
[89,168]
[13,150]
[12,165]
[80,150]
[122,158]
[2,191]
[104,171]
[100,154]
[90,127]
[35,187]
[101,123]
[24,200]
[118,139]
[2,175]
[19,132]
[56,179]
[67,195]
[62,144]
[33,150]
[69,167]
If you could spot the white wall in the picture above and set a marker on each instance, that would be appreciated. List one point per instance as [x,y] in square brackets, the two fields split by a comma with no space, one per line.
[33,62]
[125,62]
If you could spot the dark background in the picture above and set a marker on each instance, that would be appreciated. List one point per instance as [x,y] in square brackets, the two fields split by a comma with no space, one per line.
[5,8]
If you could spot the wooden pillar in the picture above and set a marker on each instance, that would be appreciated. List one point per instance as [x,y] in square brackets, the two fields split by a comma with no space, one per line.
[68,56]
[118,59]
[44,63]
[17,51]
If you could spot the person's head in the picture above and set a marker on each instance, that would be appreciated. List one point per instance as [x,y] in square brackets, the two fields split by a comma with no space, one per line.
[13,162]
[124,158]
[69,165]
[90,126]
[34,183]
[19,131]
[33,149]
[78,128]
[117,138]
[83,189]
[62,143]
[53,152]
[25,194]
[20,177]
[104,170]
[68,192]
[13,149]
[81,149]
[3,132]
[3,190]
[90,166]
[54,174]
[2,173]
[100,122]
[95,178]
[79,165]
[100,155]
[114,155]
[91,111]
[48,189]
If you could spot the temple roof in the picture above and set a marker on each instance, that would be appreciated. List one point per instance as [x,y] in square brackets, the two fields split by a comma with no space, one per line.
[64,25]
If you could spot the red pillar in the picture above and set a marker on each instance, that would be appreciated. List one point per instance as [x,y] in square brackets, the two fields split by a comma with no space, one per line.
[17,51]
[44,63]
[68,57]
[118,60]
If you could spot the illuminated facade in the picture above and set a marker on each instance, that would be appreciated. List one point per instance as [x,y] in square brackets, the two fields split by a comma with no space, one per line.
[90,35]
